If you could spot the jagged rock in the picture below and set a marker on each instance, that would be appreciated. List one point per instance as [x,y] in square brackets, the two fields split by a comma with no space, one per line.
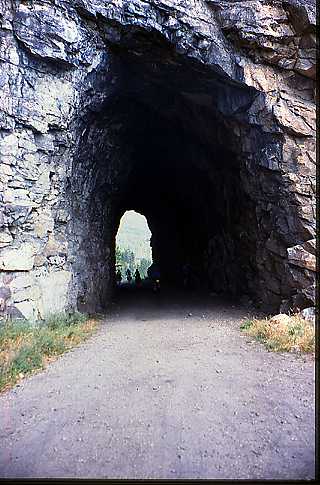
[309,314]
[46,32]
[214,100]
[5,239]
[285,306]
[26,310]
[305,64]
[39,260]
[309,292]
[54,292]
[302,14]
[21,282]
[310,246]
[298,256]
[17,259]
[24,288]
[43,224]
[15,215]
[53,247]
[8,147]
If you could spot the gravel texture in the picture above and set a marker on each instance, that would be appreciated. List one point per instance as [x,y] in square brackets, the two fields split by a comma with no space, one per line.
[167,388]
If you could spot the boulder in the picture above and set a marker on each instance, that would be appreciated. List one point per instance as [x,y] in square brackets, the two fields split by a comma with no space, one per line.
[24,287]
[298,256]
[54,291]
[281,319]
[5,239]
[309,314]
[18,259]
[27,309]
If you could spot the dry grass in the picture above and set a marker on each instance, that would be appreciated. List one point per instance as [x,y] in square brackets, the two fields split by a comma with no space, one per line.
[27,347]
[295,335]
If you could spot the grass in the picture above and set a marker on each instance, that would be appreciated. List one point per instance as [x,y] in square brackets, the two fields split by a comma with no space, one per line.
[26,347]
[296,335]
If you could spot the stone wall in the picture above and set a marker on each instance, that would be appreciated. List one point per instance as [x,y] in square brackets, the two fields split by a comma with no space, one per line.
[65,160]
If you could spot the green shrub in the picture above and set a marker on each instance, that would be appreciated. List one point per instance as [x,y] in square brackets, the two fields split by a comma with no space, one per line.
[246,324]
[26,346]
[50,344]
[296,330]
[59,320]
[77,318]
[27,359]
[297,336]
[12,329]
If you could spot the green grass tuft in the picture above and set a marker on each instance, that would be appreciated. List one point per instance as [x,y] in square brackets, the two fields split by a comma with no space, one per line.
[26,360]
[296,336]
[27,346]
[246,324]
[61,320]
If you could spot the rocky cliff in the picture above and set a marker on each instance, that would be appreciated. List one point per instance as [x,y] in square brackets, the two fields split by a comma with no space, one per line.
[101,100]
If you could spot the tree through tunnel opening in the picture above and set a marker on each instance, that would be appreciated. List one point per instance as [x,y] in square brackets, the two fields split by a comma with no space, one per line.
[133,249]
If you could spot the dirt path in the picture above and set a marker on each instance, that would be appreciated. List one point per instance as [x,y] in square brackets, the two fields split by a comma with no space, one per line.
[164,390]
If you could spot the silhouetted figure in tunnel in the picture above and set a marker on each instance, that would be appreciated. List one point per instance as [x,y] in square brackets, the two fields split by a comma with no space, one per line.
[129,276]
[119,277]
[137,277]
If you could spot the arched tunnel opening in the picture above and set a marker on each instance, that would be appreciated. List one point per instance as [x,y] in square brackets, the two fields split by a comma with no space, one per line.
[134,262]
[164,141]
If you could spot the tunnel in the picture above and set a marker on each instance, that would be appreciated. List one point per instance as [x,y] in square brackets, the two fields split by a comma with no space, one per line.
[164,140]
[174,191]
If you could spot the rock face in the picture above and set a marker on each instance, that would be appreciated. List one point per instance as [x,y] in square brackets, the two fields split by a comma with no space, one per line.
[199,114]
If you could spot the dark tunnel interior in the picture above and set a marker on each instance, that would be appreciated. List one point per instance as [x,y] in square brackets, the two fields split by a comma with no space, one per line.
[174,190]
[184,176]
[165,143]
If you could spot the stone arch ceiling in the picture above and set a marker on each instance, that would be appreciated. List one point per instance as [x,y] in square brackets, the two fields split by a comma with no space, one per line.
[213,99]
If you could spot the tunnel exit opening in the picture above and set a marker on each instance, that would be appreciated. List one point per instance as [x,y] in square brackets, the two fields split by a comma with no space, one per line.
[171,139]
[133,250]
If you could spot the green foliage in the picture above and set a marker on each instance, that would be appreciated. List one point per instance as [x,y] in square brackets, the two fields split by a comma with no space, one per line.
[27,359]
[3,376]
[125,259]
[246,324]
[51,343]
[297,336]
[296,330]
[60,320]
[143,267]
[24,345]
[13,329]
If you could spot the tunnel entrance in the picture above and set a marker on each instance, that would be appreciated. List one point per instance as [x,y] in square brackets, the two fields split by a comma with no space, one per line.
[172,139]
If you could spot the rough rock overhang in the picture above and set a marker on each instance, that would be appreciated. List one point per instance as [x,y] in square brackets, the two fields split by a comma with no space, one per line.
[59,69]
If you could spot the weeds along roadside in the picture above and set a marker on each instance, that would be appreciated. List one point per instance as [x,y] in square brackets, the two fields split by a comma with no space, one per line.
[27,347]
[282,333]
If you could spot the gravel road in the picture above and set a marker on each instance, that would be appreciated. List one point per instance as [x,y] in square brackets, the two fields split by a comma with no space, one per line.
[165,389]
